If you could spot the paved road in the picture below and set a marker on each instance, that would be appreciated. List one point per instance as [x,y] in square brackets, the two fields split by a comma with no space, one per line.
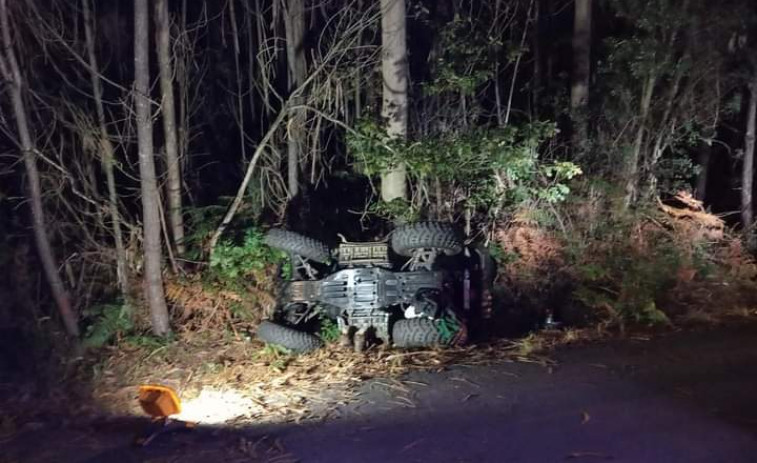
[685,397]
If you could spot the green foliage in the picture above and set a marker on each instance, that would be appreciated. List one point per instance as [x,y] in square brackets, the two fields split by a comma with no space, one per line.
[702,259]
[108,322]
[231,261]
[241,311]
[494,168]
[373,150]
[654,50]
[675,173]
[111,322]
[501,256]
[617,278]
[651,315]
[447,328]
[278,357]
[150,342]
[201,223]
[462,63]
[329,330]
[398,209]
[275,350]
[650,23]
[238,280]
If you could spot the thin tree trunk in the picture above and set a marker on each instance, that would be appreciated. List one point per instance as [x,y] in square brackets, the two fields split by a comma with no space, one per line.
[182,70]
[632,165]
[517,64]
[579,90]
[438,196]
[168,110]
[537,44]
[498,96]
[394,76]
[464,110]
[107,154]
[294,25]
[11,73]
[666,123]
[747,172]
[182,80]
[358,90]
[358,77]
[703,159]
[238,78]
[149,186]
[261,39]
[249,17]
[549,19]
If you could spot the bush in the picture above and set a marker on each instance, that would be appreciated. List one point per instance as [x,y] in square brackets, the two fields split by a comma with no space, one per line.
[252,256]
[108,322]
[627,267]
[329,329]
[492,170]
[238,285]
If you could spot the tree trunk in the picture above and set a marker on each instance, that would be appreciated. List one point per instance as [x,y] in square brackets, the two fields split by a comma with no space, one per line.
[579,90]
[632,165]
[150,198]
[163,37]
[358,77]
[703,159]
[107,154]
[394,75]
[294,24]
[537,78]
[747,172]
[549,48]
[514,80]
[10,71]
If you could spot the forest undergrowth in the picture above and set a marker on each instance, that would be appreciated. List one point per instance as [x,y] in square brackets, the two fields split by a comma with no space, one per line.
[664,268]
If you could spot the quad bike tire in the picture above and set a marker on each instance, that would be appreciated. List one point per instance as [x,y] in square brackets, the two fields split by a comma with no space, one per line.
[294,243]
[288,338]
[417,332]
[429,235]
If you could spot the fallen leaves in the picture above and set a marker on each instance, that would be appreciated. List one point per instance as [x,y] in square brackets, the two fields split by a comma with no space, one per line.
[280,387]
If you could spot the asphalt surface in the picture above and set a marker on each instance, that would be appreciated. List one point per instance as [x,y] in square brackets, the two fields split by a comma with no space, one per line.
[681,397]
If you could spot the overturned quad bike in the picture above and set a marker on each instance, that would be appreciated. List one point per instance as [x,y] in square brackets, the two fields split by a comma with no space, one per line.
[421,291]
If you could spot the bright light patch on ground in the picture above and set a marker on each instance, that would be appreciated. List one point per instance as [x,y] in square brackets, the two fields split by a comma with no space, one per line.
[215,406]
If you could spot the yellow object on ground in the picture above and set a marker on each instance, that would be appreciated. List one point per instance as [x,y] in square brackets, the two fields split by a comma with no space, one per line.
[159,401]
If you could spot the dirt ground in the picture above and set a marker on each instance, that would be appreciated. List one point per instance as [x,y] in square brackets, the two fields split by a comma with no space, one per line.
[685,396]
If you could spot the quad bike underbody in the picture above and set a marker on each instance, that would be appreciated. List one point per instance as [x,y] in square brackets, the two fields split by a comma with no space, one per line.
[412,297]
